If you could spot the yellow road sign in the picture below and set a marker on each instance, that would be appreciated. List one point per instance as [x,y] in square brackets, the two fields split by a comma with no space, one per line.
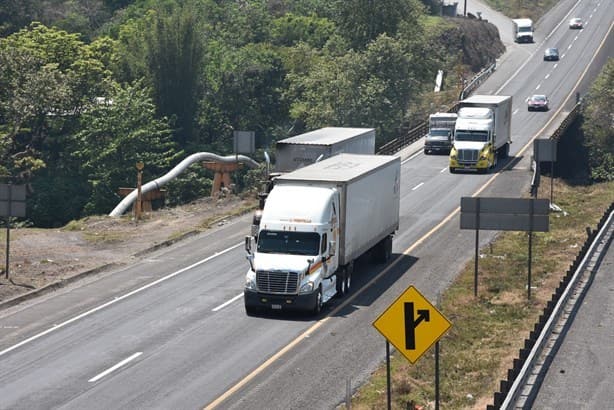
[412,324]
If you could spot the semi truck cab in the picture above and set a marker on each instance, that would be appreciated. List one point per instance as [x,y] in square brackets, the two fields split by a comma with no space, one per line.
[294,264]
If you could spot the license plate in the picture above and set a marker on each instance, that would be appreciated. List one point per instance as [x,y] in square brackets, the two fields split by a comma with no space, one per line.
[276,307]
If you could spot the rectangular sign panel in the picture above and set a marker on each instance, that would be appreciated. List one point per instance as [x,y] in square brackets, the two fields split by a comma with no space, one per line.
[505,214]
[544,150]
[18,208]
[244,142]
[18,192]
[504,222]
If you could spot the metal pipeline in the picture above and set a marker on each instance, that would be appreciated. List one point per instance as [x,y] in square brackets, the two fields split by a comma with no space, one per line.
[173,173]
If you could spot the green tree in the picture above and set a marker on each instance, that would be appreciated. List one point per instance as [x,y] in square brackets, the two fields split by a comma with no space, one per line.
[362,21]
[598,125]
[167,48]
[115,134]
[46,77]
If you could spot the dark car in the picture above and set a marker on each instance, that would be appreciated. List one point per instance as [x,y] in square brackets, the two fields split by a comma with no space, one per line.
[551,54]
[537,102]
[576,23]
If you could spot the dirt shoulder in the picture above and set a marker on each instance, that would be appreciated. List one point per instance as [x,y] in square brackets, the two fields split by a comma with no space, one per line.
[43,257]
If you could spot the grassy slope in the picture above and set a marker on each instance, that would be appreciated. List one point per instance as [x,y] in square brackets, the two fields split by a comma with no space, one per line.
[487,333]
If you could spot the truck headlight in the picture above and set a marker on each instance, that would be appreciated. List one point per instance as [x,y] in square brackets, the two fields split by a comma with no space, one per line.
[306,288]
[250,283]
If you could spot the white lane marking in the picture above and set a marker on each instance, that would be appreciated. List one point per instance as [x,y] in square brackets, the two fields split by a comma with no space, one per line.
[443,170]
[223,305]
[515,111]
[569,47]
[417,186]
[555,66]
[538,85]
[112,369]
[575,38]
[547,76]
[563,56]
[115,300]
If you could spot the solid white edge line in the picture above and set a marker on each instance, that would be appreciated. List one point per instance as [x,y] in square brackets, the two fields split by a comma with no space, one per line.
[417,186]
[112,369]
[223,305]
[443,170]
[115,300]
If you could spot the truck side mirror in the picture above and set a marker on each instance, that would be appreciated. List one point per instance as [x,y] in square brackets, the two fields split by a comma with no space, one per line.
[248,245]
[331,248]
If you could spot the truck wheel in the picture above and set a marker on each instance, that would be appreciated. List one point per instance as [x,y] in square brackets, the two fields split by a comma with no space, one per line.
[317,308]
[341,284]
[452,170]
[383,250]
[348,281]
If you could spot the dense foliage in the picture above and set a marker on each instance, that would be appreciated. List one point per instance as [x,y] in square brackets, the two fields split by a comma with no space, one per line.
[87,89]
[598,125]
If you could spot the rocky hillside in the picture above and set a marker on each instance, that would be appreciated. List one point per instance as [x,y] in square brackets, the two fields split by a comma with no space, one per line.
[478,39]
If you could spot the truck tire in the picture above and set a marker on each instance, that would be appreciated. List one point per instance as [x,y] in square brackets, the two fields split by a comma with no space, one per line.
[341,283]
[317,308]
[348,279]
[383,250]
[504,152]
[452,170]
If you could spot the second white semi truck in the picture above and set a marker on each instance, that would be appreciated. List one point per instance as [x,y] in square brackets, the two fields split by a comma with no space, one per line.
[315,223]
[483,133]
[305,149]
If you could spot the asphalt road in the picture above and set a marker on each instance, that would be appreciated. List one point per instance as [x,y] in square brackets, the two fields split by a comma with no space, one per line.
[170,331]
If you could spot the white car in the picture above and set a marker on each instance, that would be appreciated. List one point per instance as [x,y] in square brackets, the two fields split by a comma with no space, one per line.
[576,23]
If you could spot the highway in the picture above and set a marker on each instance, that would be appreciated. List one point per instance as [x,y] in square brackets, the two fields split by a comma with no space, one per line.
[170,331]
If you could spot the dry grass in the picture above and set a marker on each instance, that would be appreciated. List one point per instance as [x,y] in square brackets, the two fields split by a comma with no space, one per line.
[488,332]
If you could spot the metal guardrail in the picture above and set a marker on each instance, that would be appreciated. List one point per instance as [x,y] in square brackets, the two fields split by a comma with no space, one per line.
[478,79]
[413,135]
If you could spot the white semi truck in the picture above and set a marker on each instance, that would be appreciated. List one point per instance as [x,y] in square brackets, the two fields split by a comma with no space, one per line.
[482,133]
[522,30]
[441,132]
[305,149]
[315,223]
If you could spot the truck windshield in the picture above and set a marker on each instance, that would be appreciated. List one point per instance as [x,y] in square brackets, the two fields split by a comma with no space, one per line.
[524,29]
[290,243]
[479,136]
[439,133]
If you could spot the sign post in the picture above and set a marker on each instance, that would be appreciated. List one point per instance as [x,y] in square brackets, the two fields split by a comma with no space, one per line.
[12,203]
[412,325]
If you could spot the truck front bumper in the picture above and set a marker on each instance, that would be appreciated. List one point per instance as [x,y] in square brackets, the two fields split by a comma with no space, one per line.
[260,300]
[481,165]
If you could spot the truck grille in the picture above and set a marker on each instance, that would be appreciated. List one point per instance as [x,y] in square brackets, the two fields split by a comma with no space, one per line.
[277,282]
[467,156]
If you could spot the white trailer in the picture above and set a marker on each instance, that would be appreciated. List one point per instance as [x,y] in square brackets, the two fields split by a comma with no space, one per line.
[522,30]
[304,149]
[315,223]
[483,132]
